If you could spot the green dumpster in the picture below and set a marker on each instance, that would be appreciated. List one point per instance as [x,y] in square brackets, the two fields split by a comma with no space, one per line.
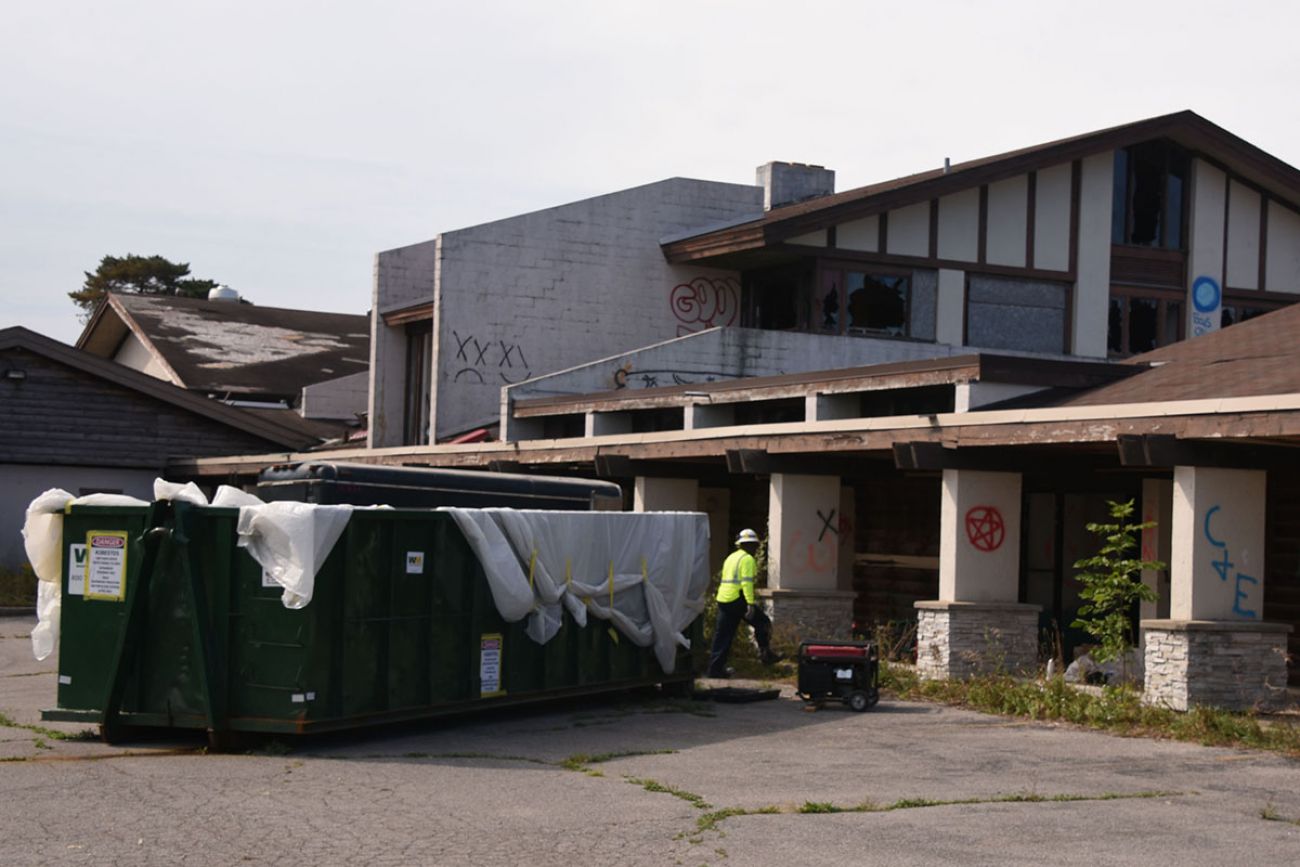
[166,622]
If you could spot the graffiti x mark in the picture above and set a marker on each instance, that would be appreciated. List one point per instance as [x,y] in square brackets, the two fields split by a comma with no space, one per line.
[826,525]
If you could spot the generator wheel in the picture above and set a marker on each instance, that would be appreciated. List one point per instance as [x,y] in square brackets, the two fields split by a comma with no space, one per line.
[857,701]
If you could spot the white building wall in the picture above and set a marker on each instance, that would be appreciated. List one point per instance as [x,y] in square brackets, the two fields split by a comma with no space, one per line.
[951,319]
[1092,286]
[1243,237]
[1052,218]
[1008,222]
[862,235]
[135,355]
[959,226]
[908,230]
[1209,188]
[1282,265]
[551,289]
[404,277]
[23,483]
[342,398]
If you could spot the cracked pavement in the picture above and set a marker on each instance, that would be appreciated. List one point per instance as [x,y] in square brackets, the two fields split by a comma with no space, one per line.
[494,789]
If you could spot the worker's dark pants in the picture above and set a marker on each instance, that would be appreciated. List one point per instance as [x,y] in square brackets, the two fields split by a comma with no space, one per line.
[730,615]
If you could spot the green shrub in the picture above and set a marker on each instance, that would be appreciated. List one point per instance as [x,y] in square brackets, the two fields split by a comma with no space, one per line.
[18,587]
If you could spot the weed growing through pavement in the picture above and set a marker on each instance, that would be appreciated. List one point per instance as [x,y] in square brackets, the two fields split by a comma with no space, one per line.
[1117,709]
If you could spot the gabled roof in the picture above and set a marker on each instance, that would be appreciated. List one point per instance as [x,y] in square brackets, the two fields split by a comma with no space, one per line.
[225,346]
[1185,127]
[1260,356]
[273,432]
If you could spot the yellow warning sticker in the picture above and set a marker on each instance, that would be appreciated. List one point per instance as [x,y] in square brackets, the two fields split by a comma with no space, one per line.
[106,565]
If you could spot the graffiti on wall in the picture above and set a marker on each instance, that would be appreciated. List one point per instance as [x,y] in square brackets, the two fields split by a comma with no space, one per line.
[484,362]
[985,528]
[1207,305]
[1224,569]
[626,375]
[705,302]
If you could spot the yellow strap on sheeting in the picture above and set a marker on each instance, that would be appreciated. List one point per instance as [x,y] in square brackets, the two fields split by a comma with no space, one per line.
[644,571]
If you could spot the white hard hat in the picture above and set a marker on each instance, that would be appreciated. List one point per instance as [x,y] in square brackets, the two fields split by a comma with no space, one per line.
[746,536]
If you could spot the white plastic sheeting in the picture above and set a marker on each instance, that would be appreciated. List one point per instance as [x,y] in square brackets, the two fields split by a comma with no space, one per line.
[290,541]
[645,572]
[43,541]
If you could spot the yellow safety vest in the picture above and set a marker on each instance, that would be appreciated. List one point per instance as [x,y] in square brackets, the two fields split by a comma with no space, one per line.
[738,573]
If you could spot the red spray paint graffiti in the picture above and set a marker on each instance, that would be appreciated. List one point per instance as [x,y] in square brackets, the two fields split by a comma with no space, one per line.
[705,302]
[985,528]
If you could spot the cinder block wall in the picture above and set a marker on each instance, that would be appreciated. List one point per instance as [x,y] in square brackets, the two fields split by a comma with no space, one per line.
[545,291]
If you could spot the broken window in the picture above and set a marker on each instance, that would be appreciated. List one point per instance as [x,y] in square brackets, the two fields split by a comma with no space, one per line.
[1148,198]
[855,300]
[1141,320]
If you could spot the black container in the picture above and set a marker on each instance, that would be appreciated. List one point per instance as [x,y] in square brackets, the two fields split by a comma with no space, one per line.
[847,671]
[331,483]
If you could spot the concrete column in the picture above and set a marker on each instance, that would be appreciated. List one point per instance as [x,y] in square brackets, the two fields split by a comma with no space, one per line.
[950,319]
[1092,281]
[1214,649]
[979,537]
[1217,545]
[803,557]
[665,495]
[977,624]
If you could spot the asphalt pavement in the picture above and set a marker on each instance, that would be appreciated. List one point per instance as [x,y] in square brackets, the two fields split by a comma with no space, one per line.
[636,780]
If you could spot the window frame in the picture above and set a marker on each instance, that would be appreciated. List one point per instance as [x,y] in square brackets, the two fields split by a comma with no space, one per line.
[843,267]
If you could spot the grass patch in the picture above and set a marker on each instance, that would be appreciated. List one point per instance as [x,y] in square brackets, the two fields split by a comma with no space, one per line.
[710,821]
[1118,709]
[18,587]
[7,721]
[691,798]
[582,762]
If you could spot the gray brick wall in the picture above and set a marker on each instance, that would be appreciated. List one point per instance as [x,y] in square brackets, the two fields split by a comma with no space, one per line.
[960,640]
[1238,669]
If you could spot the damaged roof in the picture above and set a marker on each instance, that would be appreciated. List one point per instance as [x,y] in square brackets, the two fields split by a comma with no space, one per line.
[1260,356]
[1187,128]
[226,346]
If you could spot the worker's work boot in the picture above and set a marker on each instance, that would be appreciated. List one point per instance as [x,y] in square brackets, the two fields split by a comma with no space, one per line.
[770,657]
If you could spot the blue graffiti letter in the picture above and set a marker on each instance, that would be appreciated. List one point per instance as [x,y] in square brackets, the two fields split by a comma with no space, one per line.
[1208,535]
[1241,594]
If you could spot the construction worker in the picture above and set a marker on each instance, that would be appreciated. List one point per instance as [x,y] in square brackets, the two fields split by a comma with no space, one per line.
[736,603]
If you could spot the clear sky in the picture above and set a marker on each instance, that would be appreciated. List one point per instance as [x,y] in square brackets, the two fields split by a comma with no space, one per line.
[277,146]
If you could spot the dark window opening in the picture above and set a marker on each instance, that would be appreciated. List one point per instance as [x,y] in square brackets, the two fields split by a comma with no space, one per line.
[562,427]
[1140,321]
[878,302]
[1147,208]
[653,420]
[926,400]
[770,411]
[1231,315]
[776,299]
[419,364]
[844,299]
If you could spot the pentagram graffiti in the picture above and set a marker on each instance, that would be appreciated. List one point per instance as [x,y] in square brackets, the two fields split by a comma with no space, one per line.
[984,528]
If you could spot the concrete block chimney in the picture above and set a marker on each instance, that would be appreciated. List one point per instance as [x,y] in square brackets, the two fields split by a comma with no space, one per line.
[786,183]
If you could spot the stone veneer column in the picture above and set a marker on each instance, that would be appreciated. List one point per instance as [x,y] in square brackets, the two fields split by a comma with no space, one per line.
[1214,649]
[803,594]
[977,625]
